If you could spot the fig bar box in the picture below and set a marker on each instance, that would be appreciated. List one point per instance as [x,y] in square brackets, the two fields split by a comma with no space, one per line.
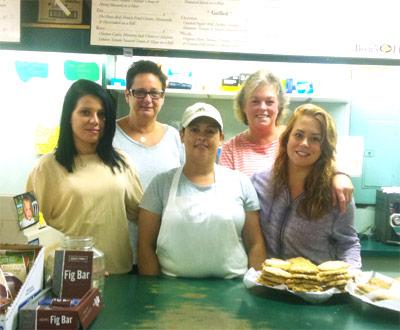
[72,276]
[46,312]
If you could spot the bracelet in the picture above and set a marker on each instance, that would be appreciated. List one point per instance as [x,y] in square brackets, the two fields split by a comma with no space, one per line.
[341,173]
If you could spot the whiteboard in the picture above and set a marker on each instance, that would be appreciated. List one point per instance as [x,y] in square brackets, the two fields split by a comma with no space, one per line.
[10,20]
[339,28]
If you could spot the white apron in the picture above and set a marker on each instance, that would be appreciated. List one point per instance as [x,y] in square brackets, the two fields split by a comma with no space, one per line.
[197,237]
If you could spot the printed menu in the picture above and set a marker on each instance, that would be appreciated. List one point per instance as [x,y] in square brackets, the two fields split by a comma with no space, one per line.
[280,27]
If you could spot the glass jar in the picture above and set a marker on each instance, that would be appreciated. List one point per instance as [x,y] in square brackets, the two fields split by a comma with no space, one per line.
[81,243]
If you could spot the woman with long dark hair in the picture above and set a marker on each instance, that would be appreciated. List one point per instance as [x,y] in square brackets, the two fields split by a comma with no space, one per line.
[86,187]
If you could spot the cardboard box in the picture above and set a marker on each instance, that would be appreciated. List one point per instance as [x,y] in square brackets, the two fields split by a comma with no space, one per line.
[72,276]
[60,11]
[35,316]
[32,286]
[38,234]
[11,232]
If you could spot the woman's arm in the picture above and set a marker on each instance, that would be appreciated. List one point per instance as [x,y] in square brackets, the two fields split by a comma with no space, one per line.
[148,228]
[342,191]
[226,157]
[344,234]
[254,240]
[133,193]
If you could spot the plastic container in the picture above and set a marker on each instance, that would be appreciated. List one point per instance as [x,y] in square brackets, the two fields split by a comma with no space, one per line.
[81,243]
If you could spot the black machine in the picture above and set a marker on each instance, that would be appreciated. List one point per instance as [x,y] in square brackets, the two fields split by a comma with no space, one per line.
[387,216]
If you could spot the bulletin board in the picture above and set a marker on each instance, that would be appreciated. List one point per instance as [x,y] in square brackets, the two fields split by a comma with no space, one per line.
[340,28]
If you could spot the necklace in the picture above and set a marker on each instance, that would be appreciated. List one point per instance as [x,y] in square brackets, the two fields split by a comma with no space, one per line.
[81,162]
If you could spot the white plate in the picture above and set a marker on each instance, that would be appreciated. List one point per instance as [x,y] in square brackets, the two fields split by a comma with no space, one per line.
[364,278]
[250,280]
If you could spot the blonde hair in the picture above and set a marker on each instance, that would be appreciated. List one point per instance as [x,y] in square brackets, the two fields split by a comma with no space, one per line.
[255,80]
[317,186]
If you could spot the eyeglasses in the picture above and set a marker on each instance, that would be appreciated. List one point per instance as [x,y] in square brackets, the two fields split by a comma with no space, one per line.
[141,93]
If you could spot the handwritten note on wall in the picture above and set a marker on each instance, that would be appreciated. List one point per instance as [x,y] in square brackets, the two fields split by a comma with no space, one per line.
[284,27]
[10,20]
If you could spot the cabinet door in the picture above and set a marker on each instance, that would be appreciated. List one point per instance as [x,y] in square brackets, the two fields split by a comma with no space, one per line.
[382,153]
[375,115]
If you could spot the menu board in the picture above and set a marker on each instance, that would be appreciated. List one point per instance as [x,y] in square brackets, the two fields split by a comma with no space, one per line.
[339,28]
[10,20]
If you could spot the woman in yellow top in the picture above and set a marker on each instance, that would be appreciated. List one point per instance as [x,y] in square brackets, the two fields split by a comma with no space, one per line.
[86,187]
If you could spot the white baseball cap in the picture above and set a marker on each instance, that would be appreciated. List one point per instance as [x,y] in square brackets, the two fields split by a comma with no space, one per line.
[201,109]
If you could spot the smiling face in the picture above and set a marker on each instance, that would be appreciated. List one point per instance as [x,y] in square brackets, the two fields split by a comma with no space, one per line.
[145,107]
[304,144]
[87,122]
[261,107]
[27,207]
[201,139]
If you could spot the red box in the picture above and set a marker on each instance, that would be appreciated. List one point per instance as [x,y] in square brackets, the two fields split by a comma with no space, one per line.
[34,316]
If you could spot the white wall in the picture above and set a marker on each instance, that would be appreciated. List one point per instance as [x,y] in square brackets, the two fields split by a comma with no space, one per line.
[27,103]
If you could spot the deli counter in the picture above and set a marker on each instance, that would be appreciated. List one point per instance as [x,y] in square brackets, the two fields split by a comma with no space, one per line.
[133,302]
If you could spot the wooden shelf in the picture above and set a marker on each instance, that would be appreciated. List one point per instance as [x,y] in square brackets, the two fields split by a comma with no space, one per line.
[57,26]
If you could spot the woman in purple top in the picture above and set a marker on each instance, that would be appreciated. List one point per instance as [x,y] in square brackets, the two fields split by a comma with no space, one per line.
[297,216]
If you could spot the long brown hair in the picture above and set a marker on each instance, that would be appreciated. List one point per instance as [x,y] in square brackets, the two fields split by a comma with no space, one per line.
[317,186]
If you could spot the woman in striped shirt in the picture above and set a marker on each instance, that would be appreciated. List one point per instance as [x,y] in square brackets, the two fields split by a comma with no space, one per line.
[261,105]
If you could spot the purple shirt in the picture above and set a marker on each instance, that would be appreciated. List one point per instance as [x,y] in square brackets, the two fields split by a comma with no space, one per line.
[288,235]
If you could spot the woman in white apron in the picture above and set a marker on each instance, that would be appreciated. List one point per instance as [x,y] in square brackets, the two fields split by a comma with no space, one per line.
[200,220]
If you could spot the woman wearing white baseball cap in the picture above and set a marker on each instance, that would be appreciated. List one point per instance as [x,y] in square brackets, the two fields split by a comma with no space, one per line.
[200,220]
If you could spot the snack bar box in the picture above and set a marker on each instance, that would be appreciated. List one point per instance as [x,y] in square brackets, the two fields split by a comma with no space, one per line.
[31,287]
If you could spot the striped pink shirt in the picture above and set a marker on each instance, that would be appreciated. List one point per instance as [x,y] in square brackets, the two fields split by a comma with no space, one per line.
[240,154]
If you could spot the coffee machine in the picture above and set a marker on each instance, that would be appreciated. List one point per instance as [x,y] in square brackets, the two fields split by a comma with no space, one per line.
[387,215]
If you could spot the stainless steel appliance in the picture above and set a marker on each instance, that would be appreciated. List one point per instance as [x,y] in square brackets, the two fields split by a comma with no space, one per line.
[387,216]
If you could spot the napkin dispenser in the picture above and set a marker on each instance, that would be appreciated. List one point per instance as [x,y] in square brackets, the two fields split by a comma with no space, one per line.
[387,216]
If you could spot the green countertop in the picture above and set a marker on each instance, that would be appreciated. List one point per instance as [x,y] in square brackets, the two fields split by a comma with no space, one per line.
[133,302]
[371,247]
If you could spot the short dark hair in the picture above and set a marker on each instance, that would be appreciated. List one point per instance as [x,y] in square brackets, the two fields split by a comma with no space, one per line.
[143,66]
[66,150]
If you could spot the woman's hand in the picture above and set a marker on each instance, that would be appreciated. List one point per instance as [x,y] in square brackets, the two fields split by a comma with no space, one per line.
[342,191]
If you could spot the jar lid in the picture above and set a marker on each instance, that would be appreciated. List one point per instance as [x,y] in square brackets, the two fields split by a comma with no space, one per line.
[78,242]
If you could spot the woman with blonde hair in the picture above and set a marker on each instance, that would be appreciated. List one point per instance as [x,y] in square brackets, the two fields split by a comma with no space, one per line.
[297,216]
[261,104]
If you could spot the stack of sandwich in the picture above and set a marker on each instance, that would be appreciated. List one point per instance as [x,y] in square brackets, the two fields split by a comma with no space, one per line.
[377,289]
[301,275]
